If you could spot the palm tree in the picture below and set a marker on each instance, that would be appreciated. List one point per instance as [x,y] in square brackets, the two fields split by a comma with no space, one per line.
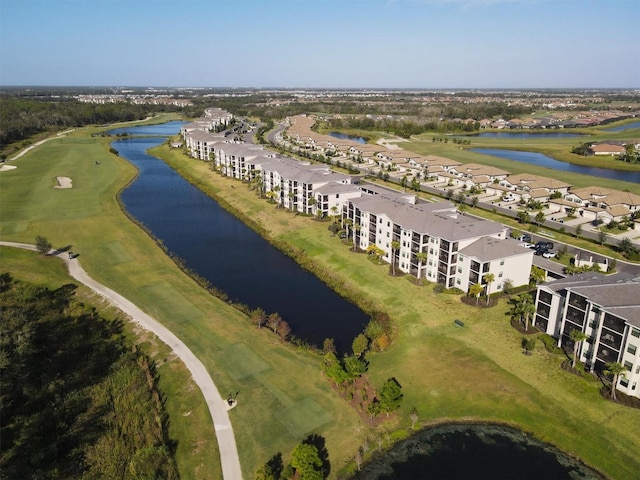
[616,369]
[356,233]
[538,275]
[578,336]
[276,194]
[395,246]
[421,257]
[334,213]
[523,307]
[346,224]
[488,279]
[291,196]
[476,290]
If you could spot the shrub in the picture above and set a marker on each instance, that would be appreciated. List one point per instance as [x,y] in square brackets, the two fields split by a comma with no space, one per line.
[550,344]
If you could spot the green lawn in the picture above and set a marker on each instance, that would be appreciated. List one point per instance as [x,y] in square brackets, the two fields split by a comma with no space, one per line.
[447,373]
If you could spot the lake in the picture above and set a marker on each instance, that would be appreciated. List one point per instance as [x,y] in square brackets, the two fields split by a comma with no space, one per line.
[471,451]
[541,160]
[622,128]
[344,136]
[166,129]
[220,248]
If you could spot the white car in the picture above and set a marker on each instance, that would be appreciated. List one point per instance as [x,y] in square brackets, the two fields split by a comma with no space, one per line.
[528,245]
[549,254]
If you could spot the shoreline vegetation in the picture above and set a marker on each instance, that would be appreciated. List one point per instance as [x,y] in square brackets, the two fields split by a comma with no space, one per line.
[448,373]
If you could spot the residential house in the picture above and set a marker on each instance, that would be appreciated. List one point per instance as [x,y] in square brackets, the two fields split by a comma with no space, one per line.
[605,204]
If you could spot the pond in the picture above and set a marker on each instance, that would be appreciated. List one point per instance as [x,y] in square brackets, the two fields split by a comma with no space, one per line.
[470,451]
[344,136]
[162,129]
[541,160]
[622,128]
[525,135]
[232,257]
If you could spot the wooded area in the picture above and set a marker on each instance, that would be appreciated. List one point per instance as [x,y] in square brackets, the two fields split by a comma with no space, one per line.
[76,400]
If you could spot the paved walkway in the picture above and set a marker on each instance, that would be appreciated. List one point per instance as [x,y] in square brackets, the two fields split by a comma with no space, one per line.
[217,406]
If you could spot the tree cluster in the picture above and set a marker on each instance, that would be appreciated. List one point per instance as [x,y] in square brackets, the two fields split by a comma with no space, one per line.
[273,321]
[309,461]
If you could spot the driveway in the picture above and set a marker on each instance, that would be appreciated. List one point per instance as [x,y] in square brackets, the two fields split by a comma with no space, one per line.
[217,406]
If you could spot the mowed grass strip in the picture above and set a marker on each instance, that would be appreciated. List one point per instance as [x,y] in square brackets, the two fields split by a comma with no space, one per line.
[448,373]
[304,417]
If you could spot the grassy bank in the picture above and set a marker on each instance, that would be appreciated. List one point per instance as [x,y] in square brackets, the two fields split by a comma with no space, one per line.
[447,373]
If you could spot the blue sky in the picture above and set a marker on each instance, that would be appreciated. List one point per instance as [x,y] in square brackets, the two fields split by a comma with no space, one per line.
[322,43]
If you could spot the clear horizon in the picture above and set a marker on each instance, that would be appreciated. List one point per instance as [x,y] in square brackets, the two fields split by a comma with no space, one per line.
[322,44]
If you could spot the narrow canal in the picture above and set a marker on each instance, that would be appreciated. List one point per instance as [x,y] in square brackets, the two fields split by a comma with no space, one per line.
[232,257]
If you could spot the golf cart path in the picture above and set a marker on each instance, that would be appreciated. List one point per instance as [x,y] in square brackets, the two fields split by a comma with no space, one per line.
[217,406]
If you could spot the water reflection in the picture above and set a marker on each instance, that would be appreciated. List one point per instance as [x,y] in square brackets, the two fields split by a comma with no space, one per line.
[541,160]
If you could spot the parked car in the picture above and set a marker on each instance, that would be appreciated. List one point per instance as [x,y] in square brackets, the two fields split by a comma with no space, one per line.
[549,254]
[528,245]
[546,245]
[525,238]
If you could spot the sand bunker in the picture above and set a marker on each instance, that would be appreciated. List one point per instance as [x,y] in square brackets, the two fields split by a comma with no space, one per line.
[4,168]
[63,182]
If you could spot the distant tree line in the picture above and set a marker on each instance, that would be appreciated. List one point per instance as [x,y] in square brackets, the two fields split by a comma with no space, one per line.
[402,128]
[75,399]
[21,118]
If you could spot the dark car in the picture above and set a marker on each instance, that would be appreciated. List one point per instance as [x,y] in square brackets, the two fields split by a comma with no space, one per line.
[545,245]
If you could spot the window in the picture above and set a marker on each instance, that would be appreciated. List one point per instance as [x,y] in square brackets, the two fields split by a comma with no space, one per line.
[635,332]
[500,275]
[628,366]
[502,262]
[457,281]
[459,269]
[632,349]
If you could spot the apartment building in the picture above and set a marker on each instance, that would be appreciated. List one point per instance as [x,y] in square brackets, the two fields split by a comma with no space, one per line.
[449,240]
[606,311]
[305,187]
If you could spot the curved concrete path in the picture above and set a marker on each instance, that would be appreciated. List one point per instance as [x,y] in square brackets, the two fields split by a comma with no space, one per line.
[217,406]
